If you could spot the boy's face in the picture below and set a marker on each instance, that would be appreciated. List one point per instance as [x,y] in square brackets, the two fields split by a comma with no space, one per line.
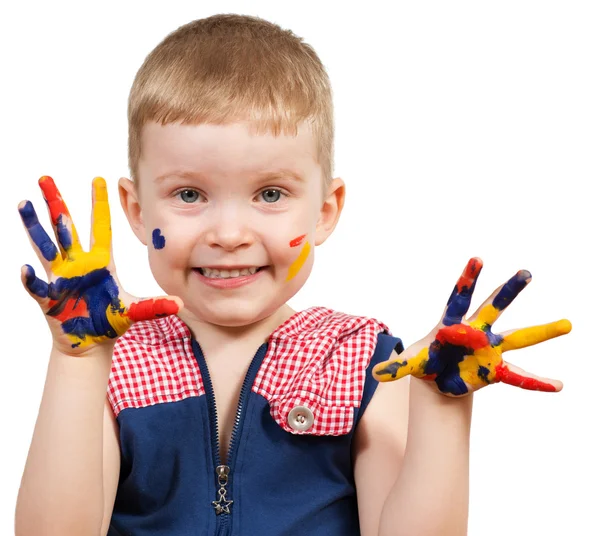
[216,197]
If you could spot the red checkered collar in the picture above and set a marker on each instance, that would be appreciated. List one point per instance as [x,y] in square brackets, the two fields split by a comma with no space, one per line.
[301,325]
[314,368]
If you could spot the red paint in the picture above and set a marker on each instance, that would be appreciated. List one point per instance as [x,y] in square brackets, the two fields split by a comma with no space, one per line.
[297,241]
[504,375]
[470,273]
[462,335]
[73,308]
[150,309]
[56,205]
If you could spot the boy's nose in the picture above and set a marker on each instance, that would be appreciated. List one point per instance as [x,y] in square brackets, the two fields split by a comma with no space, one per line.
[229,230]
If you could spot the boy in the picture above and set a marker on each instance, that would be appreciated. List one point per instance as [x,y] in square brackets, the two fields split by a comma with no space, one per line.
[228,412]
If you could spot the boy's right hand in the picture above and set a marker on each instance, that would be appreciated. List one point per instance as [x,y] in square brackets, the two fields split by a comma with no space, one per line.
[83,301]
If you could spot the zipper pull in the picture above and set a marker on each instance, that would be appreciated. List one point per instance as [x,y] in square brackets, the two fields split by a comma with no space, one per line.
[222,504]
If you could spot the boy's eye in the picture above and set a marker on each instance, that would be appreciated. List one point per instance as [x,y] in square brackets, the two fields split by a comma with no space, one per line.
[271,195]
[189,196]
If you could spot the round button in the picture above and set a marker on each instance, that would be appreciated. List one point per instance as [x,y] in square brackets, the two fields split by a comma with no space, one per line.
[301,418]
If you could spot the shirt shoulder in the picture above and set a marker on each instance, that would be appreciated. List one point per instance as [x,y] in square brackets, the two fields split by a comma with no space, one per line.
[317,360]
[153,362]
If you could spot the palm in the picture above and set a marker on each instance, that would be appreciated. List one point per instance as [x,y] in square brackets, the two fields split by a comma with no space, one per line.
[83,297]
[460,355]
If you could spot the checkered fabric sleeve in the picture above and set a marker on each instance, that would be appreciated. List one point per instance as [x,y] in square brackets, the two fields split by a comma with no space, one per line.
[153,362]
[318,359]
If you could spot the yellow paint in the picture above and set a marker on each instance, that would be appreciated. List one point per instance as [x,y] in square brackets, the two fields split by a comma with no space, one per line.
[488,315]
[101,230]
[299,262]
[83,264]
[415,366]
[522,338]
[487,357]
[78,263]
[119,322]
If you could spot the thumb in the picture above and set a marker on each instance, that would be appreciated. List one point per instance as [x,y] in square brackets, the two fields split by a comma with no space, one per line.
[36,287]
[152,308]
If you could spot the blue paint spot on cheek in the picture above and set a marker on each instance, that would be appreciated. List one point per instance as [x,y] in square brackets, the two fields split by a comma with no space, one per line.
[158,240]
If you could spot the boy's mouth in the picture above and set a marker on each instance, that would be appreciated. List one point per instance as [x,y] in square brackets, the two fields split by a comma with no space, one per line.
[216,273]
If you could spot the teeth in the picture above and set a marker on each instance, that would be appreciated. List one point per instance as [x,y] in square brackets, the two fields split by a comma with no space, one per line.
[225,274]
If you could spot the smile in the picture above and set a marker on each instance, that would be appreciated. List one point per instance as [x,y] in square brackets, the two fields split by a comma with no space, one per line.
[214,273]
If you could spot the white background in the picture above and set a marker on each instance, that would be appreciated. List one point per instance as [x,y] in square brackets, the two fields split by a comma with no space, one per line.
[463,129]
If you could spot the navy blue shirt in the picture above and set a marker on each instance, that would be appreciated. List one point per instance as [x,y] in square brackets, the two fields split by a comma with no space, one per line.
[277,482]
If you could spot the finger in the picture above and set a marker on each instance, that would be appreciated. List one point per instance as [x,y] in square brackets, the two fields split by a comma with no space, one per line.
[34,285]
[44,246]
[521,338]
[499,300]
[396,368]
[460,299]
[101,230]
[512,375]
[65,231]
[154,308]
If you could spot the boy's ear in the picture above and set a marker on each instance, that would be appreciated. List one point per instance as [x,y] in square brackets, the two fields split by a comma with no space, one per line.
[132,208]
[331,210]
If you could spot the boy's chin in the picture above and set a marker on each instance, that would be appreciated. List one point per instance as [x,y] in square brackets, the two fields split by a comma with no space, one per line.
[229,317]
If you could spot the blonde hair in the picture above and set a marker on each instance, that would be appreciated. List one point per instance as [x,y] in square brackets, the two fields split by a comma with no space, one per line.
[228,68]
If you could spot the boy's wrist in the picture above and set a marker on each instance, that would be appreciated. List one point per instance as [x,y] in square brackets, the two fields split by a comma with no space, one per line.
[102,351]
[425,389]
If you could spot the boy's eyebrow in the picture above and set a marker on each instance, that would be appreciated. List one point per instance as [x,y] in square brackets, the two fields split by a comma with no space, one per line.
[262,176]
[179,174]
[280,174]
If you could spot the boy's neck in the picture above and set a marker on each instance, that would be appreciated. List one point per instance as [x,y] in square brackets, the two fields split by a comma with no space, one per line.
[214,339]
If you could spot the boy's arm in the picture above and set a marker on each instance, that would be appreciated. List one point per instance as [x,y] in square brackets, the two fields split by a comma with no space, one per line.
[458,357]
[412,465]
[71,473]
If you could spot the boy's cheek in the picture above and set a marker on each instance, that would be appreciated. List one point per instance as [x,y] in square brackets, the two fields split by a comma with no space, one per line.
[168,246]
[297,254]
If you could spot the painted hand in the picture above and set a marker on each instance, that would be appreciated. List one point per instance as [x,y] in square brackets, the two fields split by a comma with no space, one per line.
[459,356]
[83,301]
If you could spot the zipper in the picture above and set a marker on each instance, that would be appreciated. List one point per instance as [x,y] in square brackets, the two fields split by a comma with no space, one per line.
[223,503]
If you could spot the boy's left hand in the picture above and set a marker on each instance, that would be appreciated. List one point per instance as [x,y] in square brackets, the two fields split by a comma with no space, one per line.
[460,356]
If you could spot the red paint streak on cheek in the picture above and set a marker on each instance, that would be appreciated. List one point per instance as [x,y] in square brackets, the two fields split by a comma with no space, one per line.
[56,205]
[461,335]
[504,375]
[297,241]
[471,272]
[73,308]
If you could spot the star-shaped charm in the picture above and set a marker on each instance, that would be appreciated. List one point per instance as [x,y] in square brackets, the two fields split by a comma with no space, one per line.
[222,505]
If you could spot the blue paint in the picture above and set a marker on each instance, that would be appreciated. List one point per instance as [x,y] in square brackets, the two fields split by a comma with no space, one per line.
[98,290]
[458,304]
[443,362]
[35,284]
[460,299]
[157,239]
[38,236]
[484,373]
[511,289]
[392,369]
[63,233]
[495,340]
